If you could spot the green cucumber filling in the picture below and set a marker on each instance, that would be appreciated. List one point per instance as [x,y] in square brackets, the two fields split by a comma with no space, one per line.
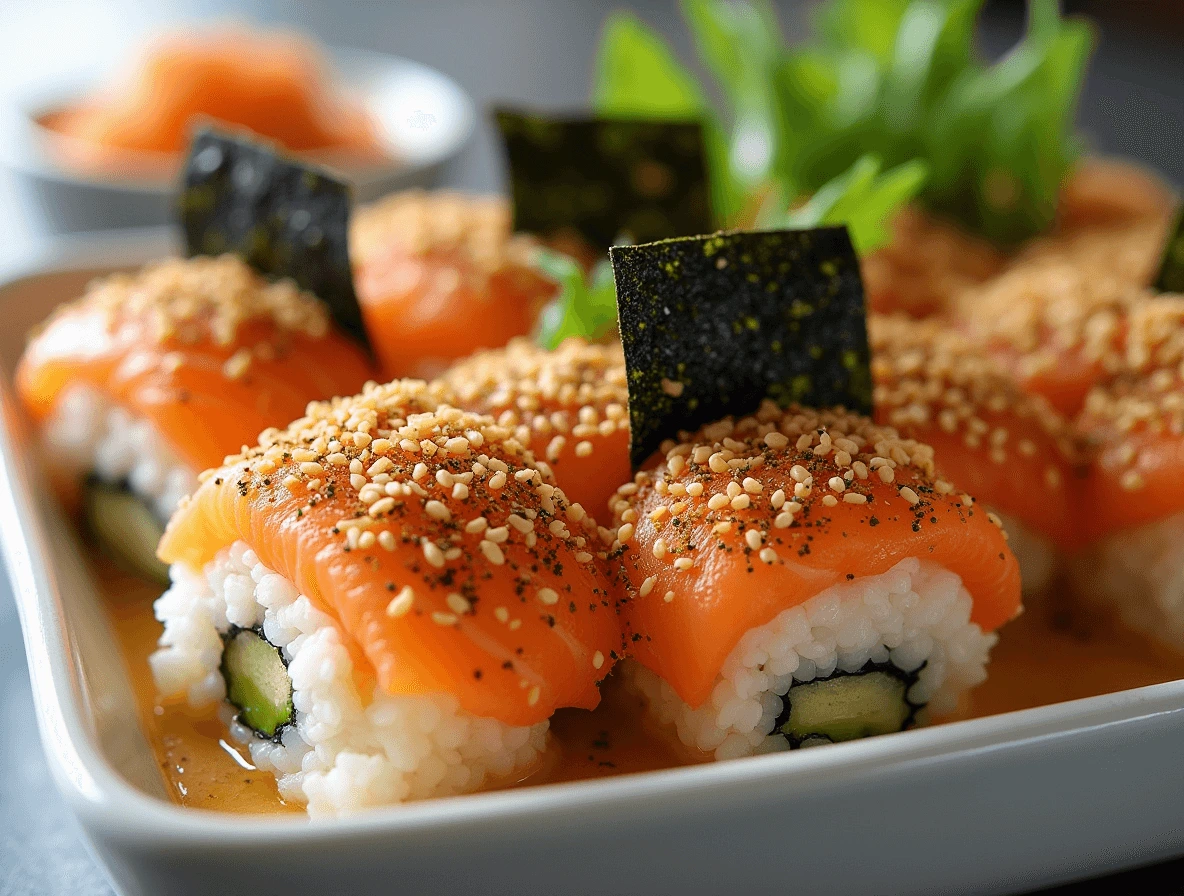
[257,682]
[126,529]
[846,706]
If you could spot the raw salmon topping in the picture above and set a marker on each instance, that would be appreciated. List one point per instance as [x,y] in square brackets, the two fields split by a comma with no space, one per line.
[420,524]
[749,517]
[190,300]
[569,405]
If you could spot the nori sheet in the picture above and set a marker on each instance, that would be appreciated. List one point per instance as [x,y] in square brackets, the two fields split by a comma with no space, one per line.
[284,218]
[713,325]
[1171,269]
[606,179]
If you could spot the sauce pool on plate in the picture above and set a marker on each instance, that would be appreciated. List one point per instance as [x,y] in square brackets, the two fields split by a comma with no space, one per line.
[203,767]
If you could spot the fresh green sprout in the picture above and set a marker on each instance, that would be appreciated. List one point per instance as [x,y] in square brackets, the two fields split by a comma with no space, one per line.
[585,305]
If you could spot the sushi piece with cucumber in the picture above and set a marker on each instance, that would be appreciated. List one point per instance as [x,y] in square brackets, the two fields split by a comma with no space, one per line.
[796,573]
[152,376]
[389,599]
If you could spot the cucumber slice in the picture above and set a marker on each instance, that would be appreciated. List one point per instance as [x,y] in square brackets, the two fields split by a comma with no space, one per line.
[126,530]
[257,681]
[845,707]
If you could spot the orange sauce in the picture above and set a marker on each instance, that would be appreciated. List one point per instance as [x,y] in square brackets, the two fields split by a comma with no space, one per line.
[1052,653]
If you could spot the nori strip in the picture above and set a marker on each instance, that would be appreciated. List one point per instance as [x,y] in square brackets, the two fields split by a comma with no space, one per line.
[713,325]
[1171,269]
[606,179]
[284,218]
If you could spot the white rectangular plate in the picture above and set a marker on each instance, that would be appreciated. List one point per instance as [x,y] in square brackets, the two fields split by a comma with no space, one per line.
[1002,803]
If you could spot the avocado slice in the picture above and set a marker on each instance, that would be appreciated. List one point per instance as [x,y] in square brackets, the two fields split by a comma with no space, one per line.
[257,681]
[126,529]
[844,706]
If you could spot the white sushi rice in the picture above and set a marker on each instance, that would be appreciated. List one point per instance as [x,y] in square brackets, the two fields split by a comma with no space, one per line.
[347,751]
[917,612]
[89,433]
[1038,557]
[1140,574]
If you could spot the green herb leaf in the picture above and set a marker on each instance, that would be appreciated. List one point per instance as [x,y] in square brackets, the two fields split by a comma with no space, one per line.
[584,306]
[862,198]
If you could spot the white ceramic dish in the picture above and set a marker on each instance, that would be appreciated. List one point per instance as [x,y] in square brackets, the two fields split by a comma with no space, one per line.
[423,117]
[998,804]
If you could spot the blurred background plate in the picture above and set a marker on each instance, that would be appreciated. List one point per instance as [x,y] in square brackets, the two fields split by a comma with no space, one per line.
[424,119]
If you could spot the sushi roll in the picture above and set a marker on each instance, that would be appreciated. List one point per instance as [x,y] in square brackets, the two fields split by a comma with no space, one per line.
[1132,513]
[153,376]
[439,275]
[389,598]
[1012,451]
[1055,314]
[926,265]
[569,405]
[799,577]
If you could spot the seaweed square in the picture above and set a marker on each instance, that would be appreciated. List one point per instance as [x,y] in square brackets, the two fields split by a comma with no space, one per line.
[606,179]
[1171,269]
[713,325]
[283,218]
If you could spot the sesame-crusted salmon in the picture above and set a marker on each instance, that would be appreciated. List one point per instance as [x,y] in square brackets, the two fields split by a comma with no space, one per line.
[450,561]
[781,548]
[439,276]
[569,405]
[1012,451]
[204,348]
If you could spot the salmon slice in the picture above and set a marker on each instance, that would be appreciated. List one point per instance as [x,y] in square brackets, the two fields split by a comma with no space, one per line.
[452,562]
[745,519]
[1056,314]
[206,349]
[1134,426]
[1010,450]
[440,276]
[925,266]
[570,406]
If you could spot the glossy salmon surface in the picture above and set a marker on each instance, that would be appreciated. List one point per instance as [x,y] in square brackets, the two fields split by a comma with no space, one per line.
[745,519]
[452,562]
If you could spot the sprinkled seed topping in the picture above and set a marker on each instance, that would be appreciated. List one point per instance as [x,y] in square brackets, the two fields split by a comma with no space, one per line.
[203,298]
[400,605]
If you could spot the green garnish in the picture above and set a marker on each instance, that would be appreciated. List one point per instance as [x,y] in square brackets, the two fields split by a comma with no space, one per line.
[585,305]
[862,198]
[1171,268]
[895,79]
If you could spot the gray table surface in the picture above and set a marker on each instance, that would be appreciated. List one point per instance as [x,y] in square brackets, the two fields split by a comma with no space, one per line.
[530,51]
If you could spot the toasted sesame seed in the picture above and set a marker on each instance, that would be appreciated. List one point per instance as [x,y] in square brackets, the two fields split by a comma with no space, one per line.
[384,505]
[776,441]
[909,495]
[444,618]
[830,501]
[533,696]
[597,660]
[457,604]
[498,534]
[522,524]
[549,596]
[722,527]
[625,532]
[366,540]
[460,492]
[754,539]
[501,614]
[386,540]
[778,499]
[854,498]
[683,563]
[433,554]
[400,605]
[583,557]
[436,510]
[647,586]
[668,596]
[659,548]
[717,502]
[311,468]
[492,552]
[768,555]
[380,466]
[695,489]
[497,481]
[741,502]
[381,446]
[583,449]
[836,483]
